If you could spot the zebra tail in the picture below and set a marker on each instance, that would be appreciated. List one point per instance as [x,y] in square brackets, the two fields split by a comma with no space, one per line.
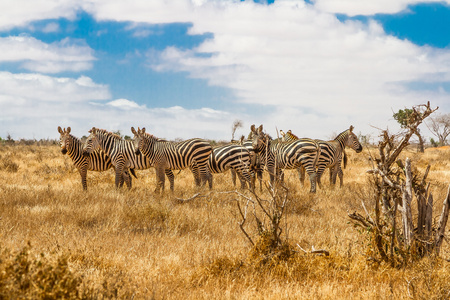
[133,173]
[316,160]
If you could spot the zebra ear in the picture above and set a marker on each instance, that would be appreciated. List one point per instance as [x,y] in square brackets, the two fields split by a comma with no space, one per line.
[351,128]
[260,128]
[92,130]
[68,130]
[60,130]
[134,130]
[242,139]
[252,128]
[143,130]
[282,133]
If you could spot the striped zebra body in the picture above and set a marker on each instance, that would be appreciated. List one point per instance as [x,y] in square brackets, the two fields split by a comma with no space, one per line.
[278,156]
[332,153]
[256,166]
[96,161]
[192,154]
[121,152]
[234,157]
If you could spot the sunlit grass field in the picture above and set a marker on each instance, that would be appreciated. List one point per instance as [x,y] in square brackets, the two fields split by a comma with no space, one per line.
[58,240]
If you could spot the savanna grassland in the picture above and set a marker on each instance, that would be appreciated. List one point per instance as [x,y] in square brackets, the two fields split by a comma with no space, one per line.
[58,241]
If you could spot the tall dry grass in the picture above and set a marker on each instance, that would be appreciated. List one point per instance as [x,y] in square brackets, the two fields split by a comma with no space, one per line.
[108,243]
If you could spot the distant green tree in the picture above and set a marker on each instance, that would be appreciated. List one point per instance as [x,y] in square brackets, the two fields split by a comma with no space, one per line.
[405,117]
[118,133]
[433,143]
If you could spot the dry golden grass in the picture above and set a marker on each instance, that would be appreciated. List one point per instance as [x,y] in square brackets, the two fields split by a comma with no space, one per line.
[131,243]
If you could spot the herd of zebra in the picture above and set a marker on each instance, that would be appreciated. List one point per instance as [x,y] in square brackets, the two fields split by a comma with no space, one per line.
[245,158]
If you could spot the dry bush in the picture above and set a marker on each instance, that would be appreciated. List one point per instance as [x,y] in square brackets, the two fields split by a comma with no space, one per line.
[8,165]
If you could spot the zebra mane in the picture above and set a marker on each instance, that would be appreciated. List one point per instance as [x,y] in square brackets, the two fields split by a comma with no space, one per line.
[152,137]
[291,134]
[108,133]
[341,134]
[75,138]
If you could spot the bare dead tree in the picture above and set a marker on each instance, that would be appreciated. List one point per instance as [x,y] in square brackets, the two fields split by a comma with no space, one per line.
[396,186]
[236,124]
[263,221]
[439,126]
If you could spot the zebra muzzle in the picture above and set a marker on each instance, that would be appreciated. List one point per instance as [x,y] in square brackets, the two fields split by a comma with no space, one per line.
[63,151]
[137,152]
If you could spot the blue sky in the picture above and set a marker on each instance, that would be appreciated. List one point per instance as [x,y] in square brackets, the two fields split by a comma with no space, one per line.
[189,68]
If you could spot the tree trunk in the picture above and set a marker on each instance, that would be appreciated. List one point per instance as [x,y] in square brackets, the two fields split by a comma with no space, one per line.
[421,143]
[442,223]
[406,211]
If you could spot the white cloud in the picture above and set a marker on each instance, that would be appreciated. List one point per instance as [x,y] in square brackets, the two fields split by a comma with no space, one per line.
[38,88]
[14,13]
[35,55]
[298,59]
[51,27]
[367,7]
[124,104]
[34,105]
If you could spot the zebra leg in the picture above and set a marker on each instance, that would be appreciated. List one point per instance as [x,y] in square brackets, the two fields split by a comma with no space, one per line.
[252,180]
[83,173]
[301,175]
[260,177]
[312,178]
[171,177]
[127,178]
[233,177]
[281,176]
[320,171]
[195,172]
[341,177]
[119,176]
[249,178]
[245,178]
[160,179]
[205,174]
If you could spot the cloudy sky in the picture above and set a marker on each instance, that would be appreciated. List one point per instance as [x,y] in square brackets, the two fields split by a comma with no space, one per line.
[189,68]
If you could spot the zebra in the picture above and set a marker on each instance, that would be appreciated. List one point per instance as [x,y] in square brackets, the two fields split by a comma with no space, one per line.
[234,157]
[278,156]
[96,161]
[123,154]
[192,154]
[255,161]
[331,155]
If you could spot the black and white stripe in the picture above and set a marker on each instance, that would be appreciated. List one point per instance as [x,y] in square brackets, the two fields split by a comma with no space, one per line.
[278,156]
[332,153]
[256,165]
[122,153]
[192,154]
[96,161]
[234,157]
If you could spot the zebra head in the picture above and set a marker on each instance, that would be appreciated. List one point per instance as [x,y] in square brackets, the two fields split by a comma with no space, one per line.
[137,139]
[64,139]
[92,143]
[288,136]
[258,138]
[352,141]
